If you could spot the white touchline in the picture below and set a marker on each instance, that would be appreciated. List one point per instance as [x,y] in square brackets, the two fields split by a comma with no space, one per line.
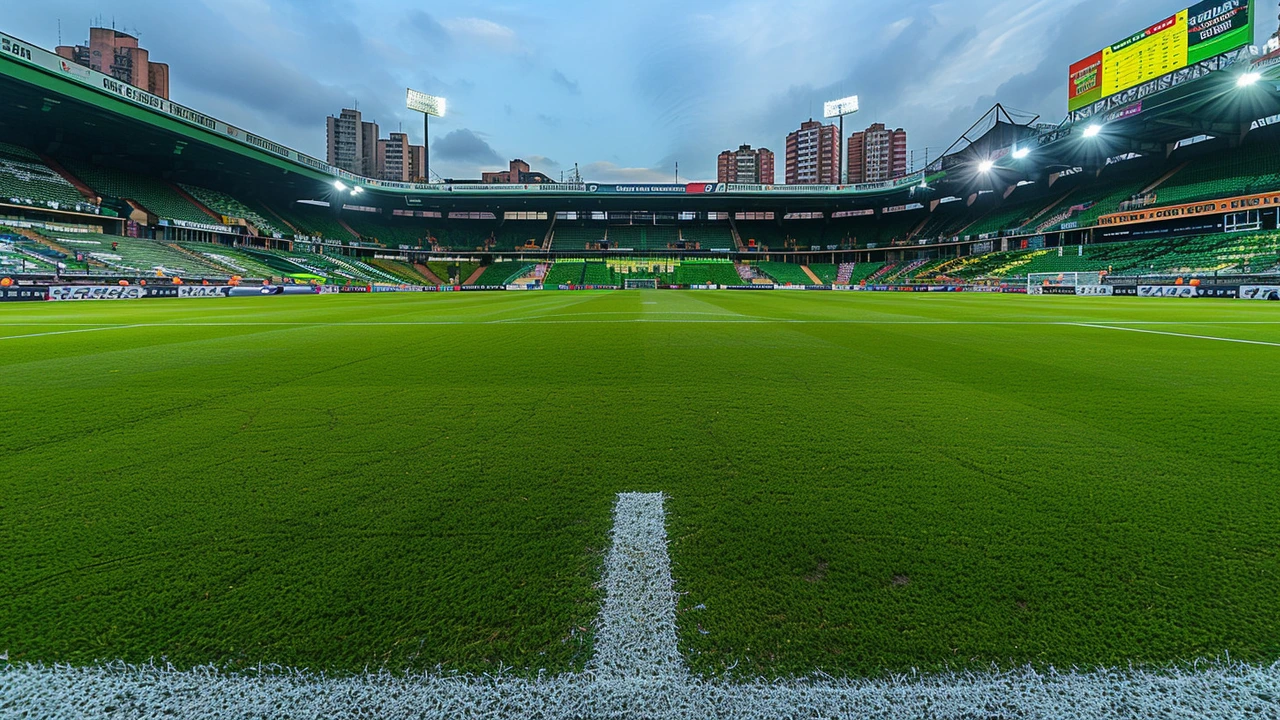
[1174,334]
[637,672]
[68,332]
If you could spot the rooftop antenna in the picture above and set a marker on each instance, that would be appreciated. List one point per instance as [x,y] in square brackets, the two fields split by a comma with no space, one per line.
[59,31]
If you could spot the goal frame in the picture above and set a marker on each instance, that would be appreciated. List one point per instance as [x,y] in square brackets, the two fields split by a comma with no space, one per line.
[1036,282]
[640,284]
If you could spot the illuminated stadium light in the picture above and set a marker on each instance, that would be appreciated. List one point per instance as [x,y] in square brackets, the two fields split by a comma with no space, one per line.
[1021,153]
[1092,131]
[986,166]
[357,190]
[339,186]
[1248,79]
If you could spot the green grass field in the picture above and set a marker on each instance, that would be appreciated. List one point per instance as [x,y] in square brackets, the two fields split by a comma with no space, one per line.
[858,483]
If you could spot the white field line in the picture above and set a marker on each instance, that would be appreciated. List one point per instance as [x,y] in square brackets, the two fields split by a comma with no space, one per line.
[742,319]
[636,627]
[68,332]
[1180,335]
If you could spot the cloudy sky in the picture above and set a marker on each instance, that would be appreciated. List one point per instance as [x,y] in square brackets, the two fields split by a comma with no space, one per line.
[625,89]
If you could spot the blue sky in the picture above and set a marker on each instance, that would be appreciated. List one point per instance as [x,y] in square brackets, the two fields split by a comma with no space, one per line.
[624,89]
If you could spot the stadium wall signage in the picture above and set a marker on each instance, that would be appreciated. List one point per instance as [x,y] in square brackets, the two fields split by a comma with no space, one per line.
[67,293]
[1213,207]
[207,227]
[23,294]
[1094,290]
[1167,291]
[204,291]
[1260,292]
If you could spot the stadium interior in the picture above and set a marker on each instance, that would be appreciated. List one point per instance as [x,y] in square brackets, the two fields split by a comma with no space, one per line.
[90,185]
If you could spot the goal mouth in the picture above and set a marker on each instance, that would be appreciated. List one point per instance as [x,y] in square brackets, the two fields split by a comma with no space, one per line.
[1064,283]
[641,284]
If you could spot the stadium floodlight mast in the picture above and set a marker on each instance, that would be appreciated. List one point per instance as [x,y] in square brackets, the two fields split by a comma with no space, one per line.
[838,109]
[428,105]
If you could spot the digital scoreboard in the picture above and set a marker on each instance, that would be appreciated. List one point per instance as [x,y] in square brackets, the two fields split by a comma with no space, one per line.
[1200,32]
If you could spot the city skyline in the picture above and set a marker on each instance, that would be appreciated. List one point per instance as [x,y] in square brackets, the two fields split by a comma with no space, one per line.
[544,88]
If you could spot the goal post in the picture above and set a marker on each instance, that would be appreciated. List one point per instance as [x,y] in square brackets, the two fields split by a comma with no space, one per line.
[1064,283]
[641,284]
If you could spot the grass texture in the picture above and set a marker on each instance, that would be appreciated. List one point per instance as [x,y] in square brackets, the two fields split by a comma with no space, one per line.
[858,484]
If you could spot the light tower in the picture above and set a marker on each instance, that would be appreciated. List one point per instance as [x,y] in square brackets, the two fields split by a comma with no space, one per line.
[428,105]
[838,109]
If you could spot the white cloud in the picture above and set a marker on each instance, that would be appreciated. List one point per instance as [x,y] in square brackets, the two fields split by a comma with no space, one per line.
[482,31]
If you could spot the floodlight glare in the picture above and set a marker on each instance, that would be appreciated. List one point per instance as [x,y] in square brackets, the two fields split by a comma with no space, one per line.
[985,166]
[1021,153]
[357,191]
[339,185]
[1248,79]
[1092,131]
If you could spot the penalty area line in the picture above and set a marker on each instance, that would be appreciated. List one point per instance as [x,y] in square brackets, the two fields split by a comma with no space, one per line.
[1180,335]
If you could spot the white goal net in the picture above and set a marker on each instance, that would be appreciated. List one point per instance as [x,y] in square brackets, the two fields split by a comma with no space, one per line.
[1064,283]
[642,284]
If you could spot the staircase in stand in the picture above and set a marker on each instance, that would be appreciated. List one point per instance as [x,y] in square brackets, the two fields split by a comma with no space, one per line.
[474,276]
[199,205]
[426,273]
[882,272]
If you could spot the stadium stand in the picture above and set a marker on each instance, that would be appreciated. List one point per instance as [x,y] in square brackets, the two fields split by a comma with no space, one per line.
[766,234]
[1254,168]
[599,274]
[828,273]
[26,180]
[863,272]
[570,237]
[565,273]
[502,273]
[139,256]
[154,194]
[390,231]
[712,272]
[240,263]
[314,221]
[452,272]
[709,237]
[785,273]
[20,255]
[462,235]
[643,238]
[516,234]
[229,206]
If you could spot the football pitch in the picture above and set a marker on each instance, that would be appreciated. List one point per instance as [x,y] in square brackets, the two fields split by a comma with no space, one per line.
[858,484]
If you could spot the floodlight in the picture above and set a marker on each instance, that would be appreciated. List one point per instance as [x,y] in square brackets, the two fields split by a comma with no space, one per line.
[1248,79]
[357,191]
[1092,131]
[985,166]
[339,185]
[1021,153]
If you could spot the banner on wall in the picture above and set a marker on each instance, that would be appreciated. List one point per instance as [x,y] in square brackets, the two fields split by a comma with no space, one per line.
[69,293]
